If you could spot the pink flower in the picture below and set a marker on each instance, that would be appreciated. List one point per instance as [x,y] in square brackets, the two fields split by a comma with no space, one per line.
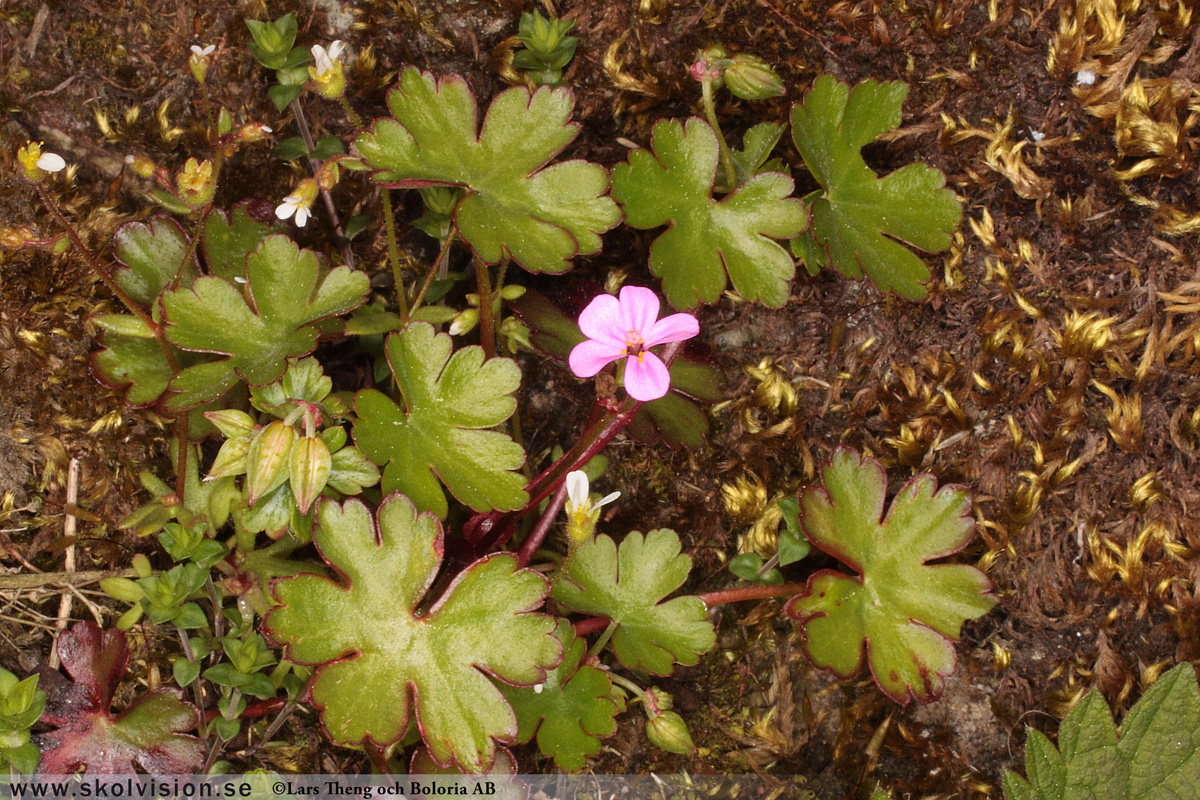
[629,327]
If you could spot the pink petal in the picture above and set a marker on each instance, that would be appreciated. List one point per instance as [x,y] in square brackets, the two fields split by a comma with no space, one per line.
[601,320]
[646,377]
[639,309]
[675,328]
[589,357]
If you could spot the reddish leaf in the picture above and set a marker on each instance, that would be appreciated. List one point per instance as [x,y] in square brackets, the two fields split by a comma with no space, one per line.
[86,734]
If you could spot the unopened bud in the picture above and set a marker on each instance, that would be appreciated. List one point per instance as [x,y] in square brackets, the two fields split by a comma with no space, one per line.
[669,732]
[254,132]
[140,166]
[751,78]
[512,292]
[465,322]
[267,459]
[224,122]
[231,422]
[308,469]
[709,65]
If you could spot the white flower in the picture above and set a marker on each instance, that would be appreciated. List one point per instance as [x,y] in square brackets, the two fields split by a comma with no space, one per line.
[51,162]
[299,203]
[199,52]
[324,58]
[578,494]
[1085,77]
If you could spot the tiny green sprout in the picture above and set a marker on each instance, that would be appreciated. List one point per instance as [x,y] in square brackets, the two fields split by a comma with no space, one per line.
[21,705]
[184,543]
[548,49]
[273,40]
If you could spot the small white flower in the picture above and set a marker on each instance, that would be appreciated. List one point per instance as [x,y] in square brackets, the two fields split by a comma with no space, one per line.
[537,689]
[324,58]
[1037,136]
[199,52]
[51,162]
[578,493]
[1085,77]
[298,204]
[266,129]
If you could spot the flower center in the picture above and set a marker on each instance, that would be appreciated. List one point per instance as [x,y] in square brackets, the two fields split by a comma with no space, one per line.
[633,344]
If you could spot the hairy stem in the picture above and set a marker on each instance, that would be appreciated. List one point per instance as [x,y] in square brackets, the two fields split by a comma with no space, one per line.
[442,255]
[487,321]
[710,112]
[314,165]
[389,224]
[538,534]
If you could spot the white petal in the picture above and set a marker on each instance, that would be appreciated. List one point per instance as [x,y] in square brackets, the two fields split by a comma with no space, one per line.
[577,488]
[286,208]
[323,62]
[335,49]
[1085,77]
[302,215]
[608,498]
[51,162]
[265,129]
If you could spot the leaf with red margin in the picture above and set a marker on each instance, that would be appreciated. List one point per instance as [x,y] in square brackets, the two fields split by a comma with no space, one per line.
[148,734]
[497,783]
[907,612]
[377,659]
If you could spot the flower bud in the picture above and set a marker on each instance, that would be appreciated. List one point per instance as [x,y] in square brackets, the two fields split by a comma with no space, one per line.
[750,78]
[140,166]
[465,322]
[512,292]
[195,183]
[267,459]
[254,132]
[709,65]
[669,732]
[308,469]
[224,122]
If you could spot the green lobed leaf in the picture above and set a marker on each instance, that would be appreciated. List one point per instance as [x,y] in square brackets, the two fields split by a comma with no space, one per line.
[907,613]
[861,223]
[229,238]
[570,710]
[1156,758]
[363,630]
[150,255]
[672,184]
[627,586]
[543,216]
[260,327]
[449,402]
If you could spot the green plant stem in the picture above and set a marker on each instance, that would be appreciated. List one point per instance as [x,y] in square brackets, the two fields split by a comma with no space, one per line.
[315,166]
[351,114]
[538,535]
[181,441]
[487,320]
[208,112]
[442,255]
[389,224]
[710,112]
[288,709]
[595,649]
[197,688]
[628,684]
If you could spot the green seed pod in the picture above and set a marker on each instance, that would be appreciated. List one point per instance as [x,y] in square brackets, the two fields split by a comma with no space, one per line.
[267,459]
[308,469]
[751,78]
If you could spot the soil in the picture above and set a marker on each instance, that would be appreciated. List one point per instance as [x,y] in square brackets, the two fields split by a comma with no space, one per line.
[1053,369]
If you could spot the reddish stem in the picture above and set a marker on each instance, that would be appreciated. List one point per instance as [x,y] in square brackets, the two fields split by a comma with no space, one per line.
[596,624]
[538,534]
[260,709]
